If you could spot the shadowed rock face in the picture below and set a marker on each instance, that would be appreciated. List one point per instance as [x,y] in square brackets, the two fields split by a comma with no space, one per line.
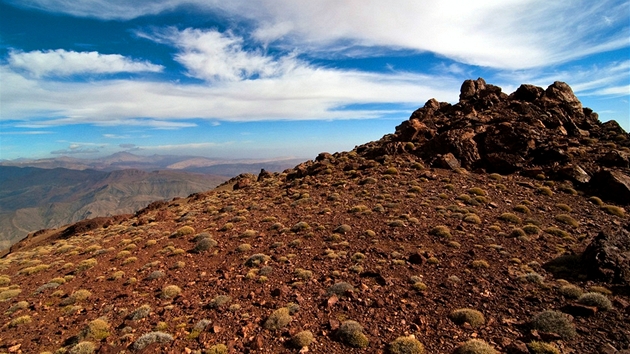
[530,131]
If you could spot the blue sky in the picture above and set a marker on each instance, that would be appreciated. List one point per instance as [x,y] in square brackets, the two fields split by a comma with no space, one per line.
[273,78]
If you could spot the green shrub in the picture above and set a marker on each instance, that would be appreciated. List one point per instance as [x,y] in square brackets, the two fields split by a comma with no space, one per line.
[595,299]
[300,226]
[466,315]
[20,305]
[351,333]
[545,191]
[472,218]
[86,264]
[278,319]
[480,263]
[532,277]
[475,346]
[557,232]
[150,338]
[531,229]
[406,345]
[553,322]
[302,339]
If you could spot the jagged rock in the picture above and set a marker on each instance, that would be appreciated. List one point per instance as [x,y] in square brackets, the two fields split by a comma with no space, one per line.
[614,185]
[532,128]
[607,257]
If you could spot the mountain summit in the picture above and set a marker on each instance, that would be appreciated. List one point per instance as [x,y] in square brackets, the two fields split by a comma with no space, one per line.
[494,225]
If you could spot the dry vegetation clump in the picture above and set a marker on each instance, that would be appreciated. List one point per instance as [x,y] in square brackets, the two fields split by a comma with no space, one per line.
[170,291]
[76,296]
[595,299]
[571,291]
[150,338]
[554,322]
[542,348]
[219,301]
[509,217]
[204,244]
[302,339]
[218,349]
[340,289]
[351,333]
[473,317]
[140,313]
[18,321]
[475,346]
[9,294]
[84,347]
[614,210]
[406,345]
[440,231]
[98,329]
[278,319]
[183,231]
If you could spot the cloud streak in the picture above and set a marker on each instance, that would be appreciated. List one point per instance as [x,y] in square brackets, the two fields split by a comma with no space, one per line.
[65,63]
[510,34]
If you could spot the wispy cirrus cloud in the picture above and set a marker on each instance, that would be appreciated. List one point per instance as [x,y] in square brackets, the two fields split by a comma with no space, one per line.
[511,34]
[60,62]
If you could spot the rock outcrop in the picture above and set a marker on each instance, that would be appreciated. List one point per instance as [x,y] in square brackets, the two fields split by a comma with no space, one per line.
[532,131]
[607,257]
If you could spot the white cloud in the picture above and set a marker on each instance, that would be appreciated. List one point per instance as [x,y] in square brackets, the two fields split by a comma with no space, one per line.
[509,34]
[64,63]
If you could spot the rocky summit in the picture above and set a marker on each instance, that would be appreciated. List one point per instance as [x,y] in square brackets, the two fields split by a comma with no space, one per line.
[493,225]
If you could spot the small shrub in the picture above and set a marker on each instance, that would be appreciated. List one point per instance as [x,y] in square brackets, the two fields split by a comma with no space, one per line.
[20,305]
[227,226]
[183,231]
[302,339]
[567,219]
[475,346]
[248,233]
[358,257]
[470,316]
[406,345]
[545,191]
[596,200]
[98,329]
[86,264]
[391,171]
[480,263]
[614,210]
[278,319]
[9,294]
[571,291]
[595,299]
[204,244]
[340,288]
[542,348]
[440,231]
[83,348]
[303,273]
[564,207]
[170,291]
[129,260]
[557,232]
[509,217]
[245,247]
[257,259]
[157,274]
[150,338]
[532,277]
[218,349]
[477,191]
[140,313]
[300,226]
[531,229]
[553,322]
[599,289]
[219,301]
[77,296]
[351,333]
[20,321]
[472,218]
[4,280]
[419,286]
[522,209]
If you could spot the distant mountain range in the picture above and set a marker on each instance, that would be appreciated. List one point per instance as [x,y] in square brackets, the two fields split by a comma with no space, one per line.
[48,193]
[126,160]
